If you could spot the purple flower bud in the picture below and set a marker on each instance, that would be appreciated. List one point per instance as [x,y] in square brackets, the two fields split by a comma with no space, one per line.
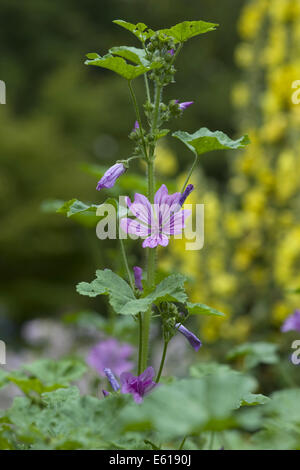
[184,105]
[292,323]
[138,277]
[105,393]
[112,379]
[110,176]
[186,193]
[136,126]
[171,51]
[192,339]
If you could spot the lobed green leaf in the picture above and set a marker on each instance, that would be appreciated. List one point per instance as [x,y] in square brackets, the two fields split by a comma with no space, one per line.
[181,32]
[204,140]
[108,283]
[140,30]
[169,290]
[134,54]
[202,309]
[121,67]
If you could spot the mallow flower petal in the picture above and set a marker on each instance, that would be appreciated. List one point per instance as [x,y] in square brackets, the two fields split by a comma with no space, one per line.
[160,194]
[138,386]
[176,223]
[142,209]
[134,227]
[163,240]
[148,373]
[151,242]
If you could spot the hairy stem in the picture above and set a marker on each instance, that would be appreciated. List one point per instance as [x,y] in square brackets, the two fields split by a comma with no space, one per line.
[158,90]
[147,87]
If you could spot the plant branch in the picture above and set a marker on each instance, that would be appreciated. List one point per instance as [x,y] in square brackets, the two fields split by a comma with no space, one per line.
[190,173]
[124,256]
[162,362]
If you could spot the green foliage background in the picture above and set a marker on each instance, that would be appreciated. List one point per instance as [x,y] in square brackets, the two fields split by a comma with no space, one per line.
[61,114]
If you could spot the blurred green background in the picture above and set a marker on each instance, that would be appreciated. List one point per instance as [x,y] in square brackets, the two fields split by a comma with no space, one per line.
[61,114]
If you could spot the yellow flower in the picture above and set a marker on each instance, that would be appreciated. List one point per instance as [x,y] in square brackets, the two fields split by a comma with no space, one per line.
[223,284]
[233,224]
[274,128]
[244,54]
[240,95]
[251,19]
[238,329]
[255,200]
[279,312]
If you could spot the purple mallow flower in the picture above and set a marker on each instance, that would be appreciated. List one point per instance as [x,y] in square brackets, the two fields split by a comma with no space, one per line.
[112,379]
[138,386]
[112,355]
[184,105]
[138,277]
[136,126]
[171,51]
[105,393]
[185,194]
[292,322]
[192,339]
[110,176]
[155,223]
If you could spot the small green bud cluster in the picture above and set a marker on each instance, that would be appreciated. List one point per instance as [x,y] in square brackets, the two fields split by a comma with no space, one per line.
[141,138]
[166,111]
[159,50]
[169,317]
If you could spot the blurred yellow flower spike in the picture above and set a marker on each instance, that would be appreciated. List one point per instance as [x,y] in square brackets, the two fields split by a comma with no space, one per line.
[251,255]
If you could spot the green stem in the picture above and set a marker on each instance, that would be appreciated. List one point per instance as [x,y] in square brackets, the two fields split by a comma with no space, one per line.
[138,115]
[150,275]
[182,443]
[158,90]
[190,173]
[177,52]
[126,264]
[140,343]
[162,362]
[150,251]
[147,88]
